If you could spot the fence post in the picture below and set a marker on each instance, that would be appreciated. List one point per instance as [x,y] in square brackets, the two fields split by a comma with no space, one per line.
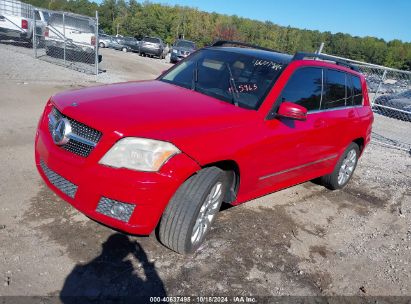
[64,39]
[320,50]
[379,87]
[34,39]
[96,44]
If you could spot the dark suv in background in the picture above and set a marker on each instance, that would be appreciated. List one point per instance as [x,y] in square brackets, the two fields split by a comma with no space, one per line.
[152,46]
[181,49]
[129,44]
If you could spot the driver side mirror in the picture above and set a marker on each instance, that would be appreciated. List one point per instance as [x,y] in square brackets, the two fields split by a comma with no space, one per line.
[292,111]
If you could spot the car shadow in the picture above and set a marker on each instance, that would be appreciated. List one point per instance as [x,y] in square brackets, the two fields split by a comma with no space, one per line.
[112,274]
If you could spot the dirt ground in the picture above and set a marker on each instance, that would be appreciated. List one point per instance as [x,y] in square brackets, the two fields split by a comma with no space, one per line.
[305,240]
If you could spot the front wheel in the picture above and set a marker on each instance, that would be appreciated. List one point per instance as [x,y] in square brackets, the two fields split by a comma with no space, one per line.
[344,169]
[192,210]
[124,50]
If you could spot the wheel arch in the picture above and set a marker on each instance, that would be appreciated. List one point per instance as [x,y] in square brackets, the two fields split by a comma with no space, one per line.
[360,142]
[232,170]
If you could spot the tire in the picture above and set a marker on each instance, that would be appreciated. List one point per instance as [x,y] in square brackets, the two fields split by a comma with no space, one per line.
[101,44]
[124,50]
[336,181]
[177,229]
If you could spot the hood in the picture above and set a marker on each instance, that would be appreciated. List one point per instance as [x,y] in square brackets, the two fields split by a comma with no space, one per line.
[152,109]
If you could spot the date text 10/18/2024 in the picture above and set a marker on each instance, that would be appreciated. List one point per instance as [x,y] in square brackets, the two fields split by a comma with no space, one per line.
[199,299]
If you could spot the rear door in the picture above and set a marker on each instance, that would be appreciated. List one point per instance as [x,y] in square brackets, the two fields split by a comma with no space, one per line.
[338,110]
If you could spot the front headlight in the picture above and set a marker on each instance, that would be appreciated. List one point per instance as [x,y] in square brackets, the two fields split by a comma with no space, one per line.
[140,154]
[175,51]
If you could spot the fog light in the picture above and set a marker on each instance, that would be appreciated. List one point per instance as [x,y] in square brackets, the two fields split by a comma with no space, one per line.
[118,210]
[115,209]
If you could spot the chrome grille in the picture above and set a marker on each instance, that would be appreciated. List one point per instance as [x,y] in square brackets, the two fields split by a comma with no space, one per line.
[80,131]
[58,181]
[105,206]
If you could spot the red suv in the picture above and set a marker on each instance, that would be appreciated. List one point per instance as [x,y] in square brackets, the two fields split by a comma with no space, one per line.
[227,124]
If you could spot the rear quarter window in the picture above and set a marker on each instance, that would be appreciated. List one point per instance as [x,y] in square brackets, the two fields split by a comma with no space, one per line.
[357,90]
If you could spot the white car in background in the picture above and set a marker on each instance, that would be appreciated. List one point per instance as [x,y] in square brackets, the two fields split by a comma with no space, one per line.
[72,36]
[16,21]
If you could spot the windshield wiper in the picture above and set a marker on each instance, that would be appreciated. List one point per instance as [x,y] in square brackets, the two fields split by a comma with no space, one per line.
[194,80]
[233,86]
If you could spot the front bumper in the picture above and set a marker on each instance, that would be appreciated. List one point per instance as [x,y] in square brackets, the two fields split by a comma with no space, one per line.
[150,192]
[177,57]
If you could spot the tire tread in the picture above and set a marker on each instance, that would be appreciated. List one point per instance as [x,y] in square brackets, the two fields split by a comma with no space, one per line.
[178,215]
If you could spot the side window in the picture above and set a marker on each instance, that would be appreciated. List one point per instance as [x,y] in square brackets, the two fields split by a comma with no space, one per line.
[357,90]
[304,88]
[335,90]
[37,15]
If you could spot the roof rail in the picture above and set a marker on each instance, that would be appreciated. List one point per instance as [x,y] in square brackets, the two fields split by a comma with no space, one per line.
[304,55]
[243,44]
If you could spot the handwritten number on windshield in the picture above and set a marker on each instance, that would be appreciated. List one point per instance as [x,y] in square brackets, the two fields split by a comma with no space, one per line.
[269,64]
[248,87]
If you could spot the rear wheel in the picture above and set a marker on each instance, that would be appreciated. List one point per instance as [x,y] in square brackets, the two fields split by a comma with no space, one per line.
[191,211]
[344,169]
[124,49]
[101,44]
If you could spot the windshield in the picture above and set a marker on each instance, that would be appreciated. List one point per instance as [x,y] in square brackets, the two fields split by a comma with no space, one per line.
[186,44]
[240,79]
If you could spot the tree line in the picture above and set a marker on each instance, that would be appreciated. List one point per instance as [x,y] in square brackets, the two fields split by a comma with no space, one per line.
[168,22]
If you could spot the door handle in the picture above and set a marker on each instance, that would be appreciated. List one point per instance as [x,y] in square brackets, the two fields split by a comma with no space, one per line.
[319,123]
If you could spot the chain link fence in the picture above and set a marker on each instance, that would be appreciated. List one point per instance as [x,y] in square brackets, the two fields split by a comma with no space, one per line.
[66,39]
[15,20]
[390,96]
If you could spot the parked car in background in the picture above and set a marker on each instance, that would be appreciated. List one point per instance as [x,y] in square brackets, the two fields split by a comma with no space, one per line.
[104,41]
[79,43]
[181,49]
[395,105]
[114,44]
[128,44]
[42,18]
[16,21]
[226,124]
[152,46]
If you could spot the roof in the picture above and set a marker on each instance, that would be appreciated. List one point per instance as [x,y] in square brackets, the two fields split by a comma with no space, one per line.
[267,55]
[273,55]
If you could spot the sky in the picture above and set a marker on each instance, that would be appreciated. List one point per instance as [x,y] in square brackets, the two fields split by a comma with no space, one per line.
[387,19]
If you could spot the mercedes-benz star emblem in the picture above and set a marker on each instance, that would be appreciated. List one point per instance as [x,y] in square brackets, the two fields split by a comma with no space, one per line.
[61,131]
